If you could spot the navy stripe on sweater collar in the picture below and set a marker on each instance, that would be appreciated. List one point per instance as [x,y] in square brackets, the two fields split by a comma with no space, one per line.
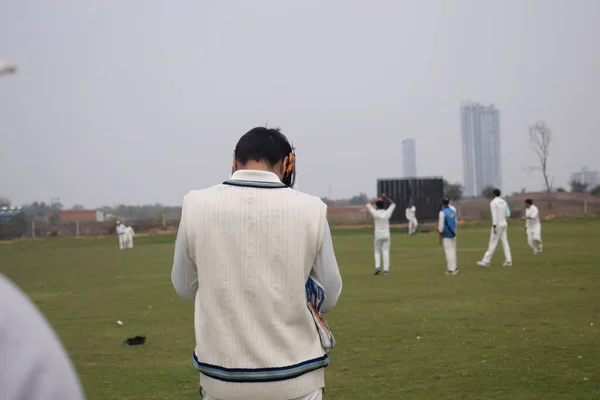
[255,184]
[255,178]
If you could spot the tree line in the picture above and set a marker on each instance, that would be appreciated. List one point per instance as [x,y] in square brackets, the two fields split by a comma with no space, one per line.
[41,209]
[454,191]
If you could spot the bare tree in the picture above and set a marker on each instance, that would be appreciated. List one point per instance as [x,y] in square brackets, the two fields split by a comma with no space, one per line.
[7,68]
[540,137]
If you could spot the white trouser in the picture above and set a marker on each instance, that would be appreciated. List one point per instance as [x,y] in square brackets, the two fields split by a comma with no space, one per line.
[129,240]
[412,226]
[382,250]
[122,241]
[534,237]
[316,395]
[500,235]
[450,250]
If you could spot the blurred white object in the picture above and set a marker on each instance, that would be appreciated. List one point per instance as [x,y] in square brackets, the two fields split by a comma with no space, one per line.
[7,68]
[129,234]
[119,322]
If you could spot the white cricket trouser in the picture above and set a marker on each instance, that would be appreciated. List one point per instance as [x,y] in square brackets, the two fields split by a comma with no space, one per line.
[129,240]
[500,235]
[450,250]
[382,250]
[316,395]
[412,226]
[534,237]
[122,241]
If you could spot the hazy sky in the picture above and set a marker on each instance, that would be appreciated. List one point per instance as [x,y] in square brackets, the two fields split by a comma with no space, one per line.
[140,101]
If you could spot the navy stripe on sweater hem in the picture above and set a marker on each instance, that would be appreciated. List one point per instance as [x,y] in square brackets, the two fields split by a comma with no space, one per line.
[260,374]
[256,184]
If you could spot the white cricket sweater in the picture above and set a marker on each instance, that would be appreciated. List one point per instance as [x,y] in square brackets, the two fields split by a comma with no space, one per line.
[381,220]
[500,211]
[34,364]
[532,215]
[411,213]
[253,244]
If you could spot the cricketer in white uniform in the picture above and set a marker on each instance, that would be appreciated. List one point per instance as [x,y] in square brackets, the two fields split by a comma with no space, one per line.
[129,235]
[257,258]
[381,220]
[447,229]
[33,363]
[500,212]
[411,216]
[121,234]
[533,226]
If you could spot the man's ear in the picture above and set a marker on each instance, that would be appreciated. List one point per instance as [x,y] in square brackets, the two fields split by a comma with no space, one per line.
[234,166]
[284,165]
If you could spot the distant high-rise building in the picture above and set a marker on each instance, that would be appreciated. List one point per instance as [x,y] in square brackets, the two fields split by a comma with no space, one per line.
[409,158]
[587,177]
[482,165]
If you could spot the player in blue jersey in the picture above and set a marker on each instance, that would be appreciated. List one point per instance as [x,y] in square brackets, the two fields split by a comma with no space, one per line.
[447,231]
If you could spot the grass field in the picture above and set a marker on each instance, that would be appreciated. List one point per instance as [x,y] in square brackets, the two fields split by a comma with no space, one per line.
[530,331]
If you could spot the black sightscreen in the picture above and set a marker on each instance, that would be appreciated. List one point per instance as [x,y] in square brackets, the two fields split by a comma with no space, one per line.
[13,224]
[424,193]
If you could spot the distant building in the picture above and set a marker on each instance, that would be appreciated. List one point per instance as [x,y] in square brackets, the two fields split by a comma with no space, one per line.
[482,166]
[409,158]
[76,215]
[586,176]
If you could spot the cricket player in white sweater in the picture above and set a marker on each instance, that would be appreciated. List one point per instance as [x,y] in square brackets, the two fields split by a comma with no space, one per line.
[122,235]
[33,363]
[253,254]
[500,212]
[411,217]
[381,220]
[533,226]
[129,235]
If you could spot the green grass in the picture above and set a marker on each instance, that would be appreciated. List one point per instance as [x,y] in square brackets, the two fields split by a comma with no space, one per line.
[499,333]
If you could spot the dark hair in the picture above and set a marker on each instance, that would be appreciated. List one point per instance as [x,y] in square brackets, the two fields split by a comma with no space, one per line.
[445,201]
[380,204]
[263,144]
[529,201]
[497,192]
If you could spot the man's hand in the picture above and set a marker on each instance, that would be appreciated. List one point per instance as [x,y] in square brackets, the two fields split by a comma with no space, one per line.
[440,239]
[494,230]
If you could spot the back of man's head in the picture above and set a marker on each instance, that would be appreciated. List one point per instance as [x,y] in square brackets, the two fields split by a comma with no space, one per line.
[497,193]
[262,145]
[528,202]
[445,201]
[380,204]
